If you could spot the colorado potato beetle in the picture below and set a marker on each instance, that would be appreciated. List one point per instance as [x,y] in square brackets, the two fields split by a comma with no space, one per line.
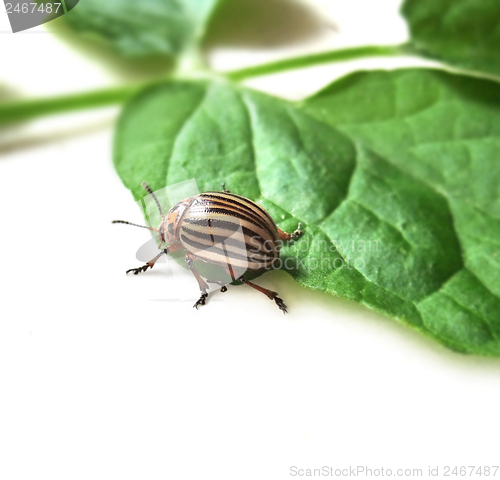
[202,227]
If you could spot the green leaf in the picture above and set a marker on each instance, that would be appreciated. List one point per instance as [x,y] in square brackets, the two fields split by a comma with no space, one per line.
[461,32]
[146,27]
[442,132]
[392,174]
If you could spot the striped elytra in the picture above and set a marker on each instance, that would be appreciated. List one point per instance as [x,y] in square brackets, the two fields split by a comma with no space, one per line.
[220,232]
[226,229]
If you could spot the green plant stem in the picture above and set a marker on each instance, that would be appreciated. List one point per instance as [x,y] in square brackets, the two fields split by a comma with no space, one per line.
[16,111]
[318,59]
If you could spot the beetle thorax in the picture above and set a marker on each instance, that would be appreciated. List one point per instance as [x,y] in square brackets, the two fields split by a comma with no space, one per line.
[169,227]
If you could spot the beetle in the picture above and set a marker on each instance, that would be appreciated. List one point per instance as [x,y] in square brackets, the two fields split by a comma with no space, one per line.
[202,227]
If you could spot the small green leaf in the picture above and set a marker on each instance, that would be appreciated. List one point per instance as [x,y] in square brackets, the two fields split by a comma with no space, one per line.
[146,27]
[393,175]
[462,32]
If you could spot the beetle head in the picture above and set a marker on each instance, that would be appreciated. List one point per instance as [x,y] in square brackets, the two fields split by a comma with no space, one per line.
[168,230]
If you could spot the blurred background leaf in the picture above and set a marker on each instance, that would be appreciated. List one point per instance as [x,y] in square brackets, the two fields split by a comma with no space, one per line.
[462,32]
[122,68]
[146,27]
[264,24]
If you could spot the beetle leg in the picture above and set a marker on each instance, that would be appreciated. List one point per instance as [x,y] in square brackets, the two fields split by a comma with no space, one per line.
[150,264]
[290,236]
[270,294]
[203,285]
[201,301]
[171,248]
[221,284]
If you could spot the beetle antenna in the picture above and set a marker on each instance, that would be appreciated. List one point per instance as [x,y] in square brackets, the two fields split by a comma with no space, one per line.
[148,189]
[134,225]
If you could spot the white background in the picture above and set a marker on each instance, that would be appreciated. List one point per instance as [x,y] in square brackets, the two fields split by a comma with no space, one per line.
[101,377]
